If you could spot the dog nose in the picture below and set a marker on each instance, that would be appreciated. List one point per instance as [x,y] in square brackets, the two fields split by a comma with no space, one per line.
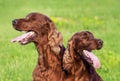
[14,22]
[100,43]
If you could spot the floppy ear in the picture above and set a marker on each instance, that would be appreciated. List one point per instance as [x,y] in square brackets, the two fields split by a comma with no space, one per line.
[71,46]
[46,29]
[68,58]
[55,39]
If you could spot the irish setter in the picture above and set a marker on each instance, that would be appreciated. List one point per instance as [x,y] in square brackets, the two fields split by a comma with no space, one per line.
[42,32]
[48,41]
[78,59]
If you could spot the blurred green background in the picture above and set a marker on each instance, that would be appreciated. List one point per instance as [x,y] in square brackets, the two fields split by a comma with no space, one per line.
[101,17]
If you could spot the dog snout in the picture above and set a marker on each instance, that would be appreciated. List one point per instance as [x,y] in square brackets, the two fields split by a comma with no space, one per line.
[14,22]
[99,43]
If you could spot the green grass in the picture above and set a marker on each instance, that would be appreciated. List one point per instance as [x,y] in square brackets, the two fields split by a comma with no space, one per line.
[102,17]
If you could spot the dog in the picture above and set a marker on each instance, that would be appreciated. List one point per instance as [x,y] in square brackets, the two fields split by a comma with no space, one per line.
[43,33]
[79,60]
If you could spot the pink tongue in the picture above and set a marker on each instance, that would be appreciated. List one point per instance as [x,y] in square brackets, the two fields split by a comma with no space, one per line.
[96,62]
[23,39]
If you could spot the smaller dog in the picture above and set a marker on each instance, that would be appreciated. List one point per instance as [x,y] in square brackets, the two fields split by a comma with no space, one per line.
[78,58]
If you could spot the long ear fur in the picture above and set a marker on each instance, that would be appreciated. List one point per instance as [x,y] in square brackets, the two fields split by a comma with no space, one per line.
[68,58]
[55,39]
[70,47]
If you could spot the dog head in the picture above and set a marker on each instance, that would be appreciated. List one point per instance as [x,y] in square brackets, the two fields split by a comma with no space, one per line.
[82,43]
[38,27]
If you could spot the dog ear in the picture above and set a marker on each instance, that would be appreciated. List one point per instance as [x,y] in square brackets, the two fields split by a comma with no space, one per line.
[55,39]
[45,30]
[71,46]
[69,57]
[48,27]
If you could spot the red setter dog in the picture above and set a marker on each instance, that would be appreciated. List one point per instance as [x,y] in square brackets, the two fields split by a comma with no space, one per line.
[78,59]
[42,32]
[48,41]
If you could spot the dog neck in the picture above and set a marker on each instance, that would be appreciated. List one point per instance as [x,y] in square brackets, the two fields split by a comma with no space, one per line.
[74,63]
[41,57]
[50,56]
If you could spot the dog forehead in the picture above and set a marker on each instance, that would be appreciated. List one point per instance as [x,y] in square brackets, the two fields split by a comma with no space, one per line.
[82,35]
[34,15]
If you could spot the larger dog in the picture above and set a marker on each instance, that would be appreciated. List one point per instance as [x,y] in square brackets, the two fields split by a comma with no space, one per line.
[48,41]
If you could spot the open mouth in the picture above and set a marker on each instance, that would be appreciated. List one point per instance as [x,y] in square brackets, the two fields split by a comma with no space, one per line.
[91,58]
[25,38]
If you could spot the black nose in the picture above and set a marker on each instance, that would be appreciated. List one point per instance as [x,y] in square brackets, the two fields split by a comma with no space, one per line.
[14,22]
[100,43]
